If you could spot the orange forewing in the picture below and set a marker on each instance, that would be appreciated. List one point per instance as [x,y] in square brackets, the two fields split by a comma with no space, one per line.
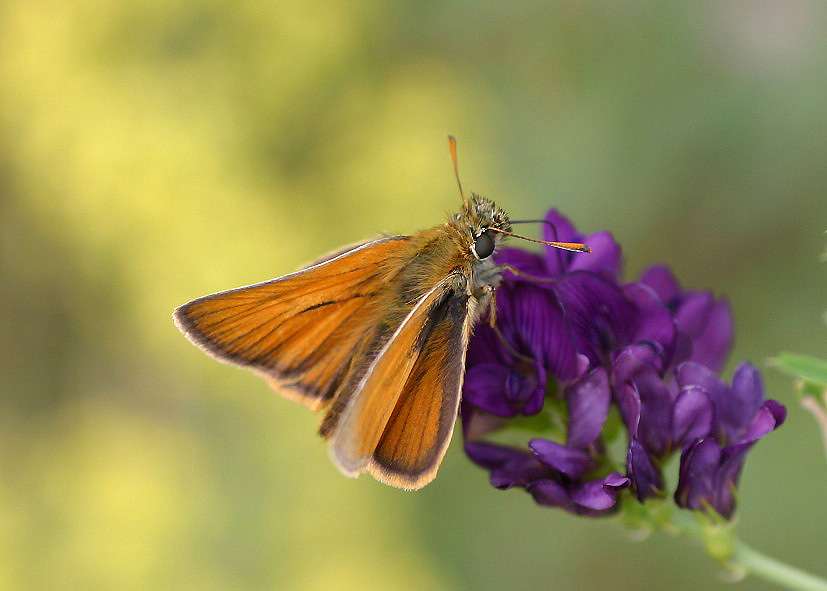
[301,330]
[361,426]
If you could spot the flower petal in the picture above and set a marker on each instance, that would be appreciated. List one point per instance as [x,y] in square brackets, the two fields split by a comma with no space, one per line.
[539,325]
[646,479]
[655,427]
[536,396]
[633,359]
[747,393]
[571,462]
[726,478]
[712,345]
[549,493]
[604,258]
[616,480]
[486,386]
[768,418]
[692,415]
[690,373]
[509,467]
[778,410]
[492,456]
[655,322]
[588,401]
[600,317]
[704,325]
[693,312]
[662,280]
[698,469]
[486,346]
[518,472]
[599,495]
[582,365]
[628,401]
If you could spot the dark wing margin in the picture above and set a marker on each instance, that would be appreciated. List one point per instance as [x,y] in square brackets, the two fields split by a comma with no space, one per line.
[299,331]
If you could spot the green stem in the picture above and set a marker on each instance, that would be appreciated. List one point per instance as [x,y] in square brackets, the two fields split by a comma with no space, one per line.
[718,537]
[775,571]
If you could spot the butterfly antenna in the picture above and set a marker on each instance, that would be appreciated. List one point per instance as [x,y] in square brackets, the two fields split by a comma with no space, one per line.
[572,246]
[452,147]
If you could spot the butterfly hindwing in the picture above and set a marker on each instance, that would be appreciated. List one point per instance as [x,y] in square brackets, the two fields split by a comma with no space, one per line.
[400,417]
[419,430]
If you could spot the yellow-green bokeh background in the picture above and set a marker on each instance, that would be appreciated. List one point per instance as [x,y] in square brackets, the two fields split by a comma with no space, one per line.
[152,151]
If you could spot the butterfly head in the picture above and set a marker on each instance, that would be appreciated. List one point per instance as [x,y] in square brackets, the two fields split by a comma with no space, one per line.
[481,222]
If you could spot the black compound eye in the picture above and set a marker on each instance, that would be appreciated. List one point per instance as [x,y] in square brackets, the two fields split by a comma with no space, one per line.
[484,245]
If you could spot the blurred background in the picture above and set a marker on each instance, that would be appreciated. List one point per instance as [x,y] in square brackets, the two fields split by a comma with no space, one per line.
[154,151]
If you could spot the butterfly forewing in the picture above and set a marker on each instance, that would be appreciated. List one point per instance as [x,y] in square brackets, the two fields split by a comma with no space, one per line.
[300,330]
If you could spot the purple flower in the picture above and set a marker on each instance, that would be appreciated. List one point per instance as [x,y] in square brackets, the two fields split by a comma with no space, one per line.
[711,465]
[573,342]
[556,474]
[704,323]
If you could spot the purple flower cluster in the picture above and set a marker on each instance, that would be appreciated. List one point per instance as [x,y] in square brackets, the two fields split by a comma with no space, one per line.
[588,354]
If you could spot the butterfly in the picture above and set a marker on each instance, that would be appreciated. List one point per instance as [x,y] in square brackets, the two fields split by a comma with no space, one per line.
[374,334]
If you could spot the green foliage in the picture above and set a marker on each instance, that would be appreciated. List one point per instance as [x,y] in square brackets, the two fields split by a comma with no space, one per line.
[811,370]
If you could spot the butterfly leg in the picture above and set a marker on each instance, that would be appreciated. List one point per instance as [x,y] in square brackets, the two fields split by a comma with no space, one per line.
[492,308]
[488,303]
[491,304]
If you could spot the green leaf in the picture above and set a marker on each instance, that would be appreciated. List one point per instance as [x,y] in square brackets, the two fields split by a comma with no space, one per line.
[811,369]
[813,389]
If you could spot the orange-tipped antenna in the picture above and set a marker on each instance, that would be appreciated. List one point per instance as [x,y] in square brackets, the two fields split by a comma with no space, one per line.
[452,147]
[573,246]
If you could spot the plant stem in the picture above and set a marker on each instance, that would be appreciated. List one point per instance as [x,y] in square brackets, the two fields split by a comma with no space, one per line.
[718,537]
[770,569]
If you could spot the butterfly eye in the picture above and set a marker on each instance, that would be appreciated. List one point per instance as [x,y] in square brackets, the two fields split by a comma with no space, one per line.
[484,245]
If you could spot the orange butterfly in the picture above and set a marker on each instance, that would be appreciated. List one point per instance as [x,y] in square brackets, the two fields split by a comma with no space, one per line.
[375,334]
